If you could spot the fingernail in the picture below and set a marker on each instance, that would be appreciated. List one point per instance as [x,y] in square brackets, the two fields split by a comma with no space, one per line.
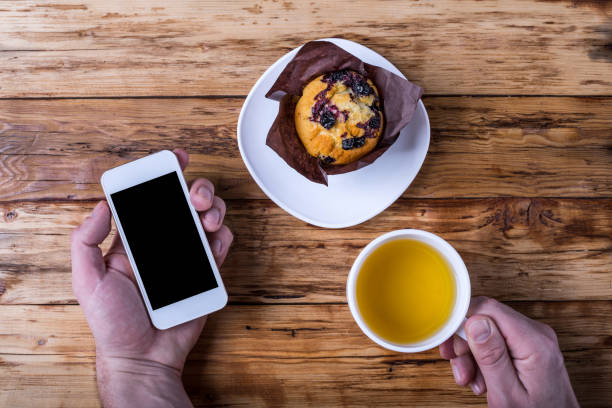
[216,247]
[479,330]
[204,192]
[212,216]
[456,373]
[476,388]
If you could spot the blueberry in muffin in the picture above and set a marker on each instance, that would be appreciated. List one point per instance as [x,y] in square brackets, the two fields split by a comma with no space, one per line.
[338,118]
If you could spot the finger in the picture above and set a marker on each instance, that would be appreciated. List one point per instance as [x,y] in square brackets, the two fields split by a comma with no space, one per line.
[117,260]
[87,262]
[182,157]
[116,246]
[119,263]
[460,346]
[478,385]
[489,350]
[520,332]
[212,219]
[202,193]
[527,340]
[220,242]
[464,369]
[476,302]
[446,349]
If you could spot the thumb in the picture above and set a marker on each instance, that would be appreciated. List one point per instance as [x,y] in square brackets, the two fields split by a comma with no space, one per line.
[491,354]
[87,262]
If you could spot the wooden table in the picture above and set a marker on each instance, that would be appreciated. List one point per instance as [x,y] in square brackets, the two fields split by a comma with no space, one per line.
[518,178]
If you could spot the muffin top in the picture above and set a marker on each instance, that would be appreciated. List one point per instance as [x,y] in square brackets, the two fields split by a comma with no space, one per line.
[338,117]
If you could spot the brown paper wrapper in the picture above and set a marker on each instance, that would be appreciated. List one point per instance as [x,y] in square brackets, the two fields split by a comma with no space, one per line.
[398,96]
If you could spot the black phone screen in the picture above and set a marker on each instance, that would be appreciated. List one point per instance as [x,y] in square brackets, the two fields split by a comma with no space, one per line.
[164,240]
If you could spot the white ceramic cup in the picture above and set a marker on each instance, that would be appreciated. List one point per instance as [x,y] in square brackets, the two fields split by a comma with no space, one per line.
[456,321]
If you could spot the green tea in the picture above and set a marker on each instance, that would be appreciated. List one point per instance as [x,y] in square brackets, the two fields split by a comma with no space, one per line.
[405,291]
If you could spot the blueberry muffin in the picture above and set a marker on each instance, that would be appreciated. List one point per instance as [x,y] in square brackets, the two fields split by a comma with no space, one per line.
[338,117]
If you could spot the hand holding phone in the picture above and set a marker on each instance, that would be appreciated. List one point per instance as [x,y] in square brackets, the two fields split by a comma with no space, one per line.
[164,239]
[106,288]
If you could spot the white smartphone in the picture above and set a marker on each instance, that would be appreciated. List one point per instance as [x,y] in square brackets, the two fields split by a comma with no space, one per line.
[164,239]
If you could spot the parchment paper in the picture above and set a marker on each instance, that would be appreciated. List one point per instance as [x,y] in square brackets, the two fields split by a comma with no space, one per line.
[398,96]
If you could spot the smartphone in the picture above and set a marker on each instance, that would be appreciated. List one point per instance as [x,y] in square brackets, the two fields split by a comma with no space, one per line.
[164,239]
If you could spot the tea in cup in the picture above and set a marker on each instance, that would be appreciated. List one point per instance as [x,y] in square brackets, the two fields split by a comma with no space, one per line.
[409,290]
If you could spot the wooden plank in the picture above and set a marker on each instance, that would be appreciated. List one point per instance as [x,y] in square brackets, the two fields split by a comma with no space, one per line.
[288,331]
[93,48]
[258,354]
[43,380]
[53,380]
[530,249]
[351,382]
[28,330]
[481,147]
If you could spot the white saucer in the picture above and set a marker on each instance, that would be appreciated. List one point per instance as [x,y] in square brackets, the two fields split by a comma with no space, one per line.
[350,198]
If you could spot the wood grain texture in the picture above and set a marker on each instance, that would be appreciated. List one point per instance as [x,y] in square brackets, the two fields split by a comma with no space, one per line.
[52,380]
[519,185]
[265,355]
[530,249]
[480,147]
[152,47]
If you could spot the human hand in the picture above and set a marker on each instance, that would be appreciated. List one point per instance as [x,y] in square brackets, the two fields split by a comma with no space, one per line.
[515,359]
[129,349]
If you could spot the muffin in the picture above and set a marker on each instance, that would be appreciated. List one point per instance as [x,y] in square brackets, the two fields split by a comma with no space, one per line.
[338,118]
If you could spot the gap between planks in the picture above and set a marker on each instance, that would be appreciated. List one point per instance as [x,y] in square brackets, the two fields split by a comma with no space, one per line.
[51,98]
[300,304]
[92,200]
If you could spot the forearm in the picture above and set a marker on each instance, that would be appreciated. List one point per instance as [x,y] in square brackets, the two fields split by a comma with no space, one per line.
[139,383]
